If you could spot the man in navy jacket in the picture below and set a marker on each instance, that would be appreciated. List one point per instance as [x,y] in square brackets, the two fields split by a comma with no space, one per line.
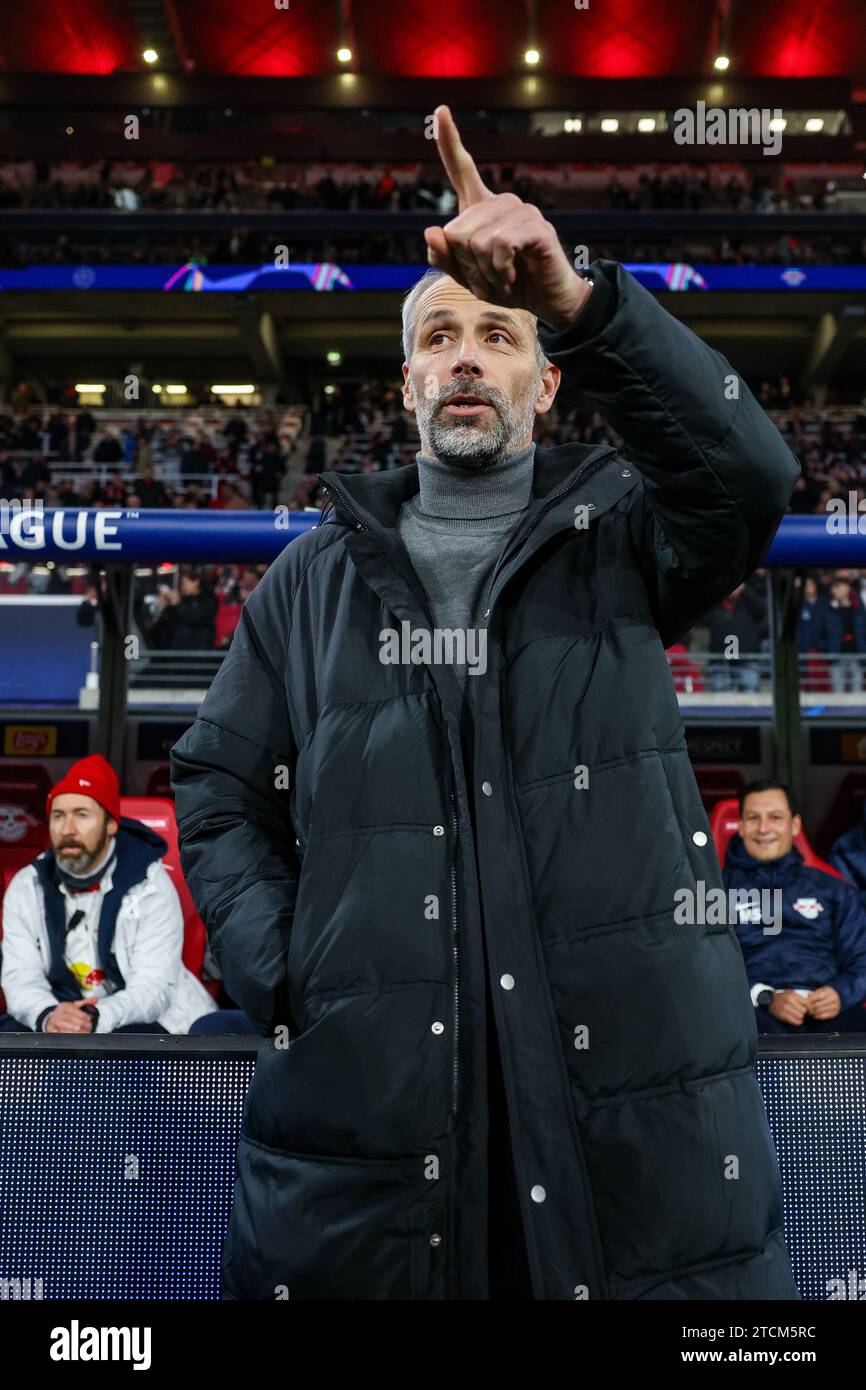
[805,961]
[848,855]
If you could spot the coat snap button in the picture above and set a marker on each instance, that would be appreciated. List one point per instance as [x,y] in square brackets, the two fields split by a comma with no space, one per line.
[626,473]
[590,506]
[435,1239]
[438,1028]
[486,788]
[699,837]
[507,982]
[439,830]
[537,1193]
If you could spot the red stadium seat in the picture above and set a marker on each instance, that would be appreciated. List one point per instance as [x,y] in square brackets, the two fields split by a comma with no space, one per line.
[158,814]
[23,832]
[723,825]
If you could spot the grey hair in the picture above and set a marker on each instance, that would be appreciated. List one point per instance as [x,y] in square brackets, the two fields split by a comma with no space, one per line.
[410,305]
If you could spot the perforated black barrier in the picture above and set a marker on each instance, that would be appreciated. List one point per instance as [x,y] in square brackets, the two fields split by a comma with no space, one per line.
[117,1162]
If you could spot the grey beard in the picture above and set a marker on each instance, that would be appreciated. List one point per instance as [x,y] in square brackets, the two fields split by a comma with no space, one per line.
[465,443]
[80,868]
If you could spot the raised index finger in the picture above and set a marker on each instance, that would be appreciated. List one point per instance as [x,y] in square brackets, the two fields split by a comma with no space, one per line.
[459,164]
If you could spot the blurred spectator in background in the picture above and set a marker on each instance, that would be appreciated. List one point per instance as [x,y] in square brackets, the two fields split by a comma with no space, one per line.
[187,621]
[839,627]
[109,449]
[805,622]
[268,471]
[848,855]
[197,457]
[317,455]
[737,629]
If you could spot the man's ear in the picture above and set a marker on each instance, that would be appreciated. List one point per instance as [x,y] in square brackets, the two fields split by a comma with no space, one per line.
[408,394]
[112,826]
[548,386]
[796,825]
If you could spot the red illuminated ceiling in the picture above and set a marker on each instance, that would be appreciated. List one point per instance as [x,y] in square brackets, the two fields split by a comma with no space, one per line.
[446,38]
[76,36]
[440,38]
[251,38]
[803,38]
[629,38]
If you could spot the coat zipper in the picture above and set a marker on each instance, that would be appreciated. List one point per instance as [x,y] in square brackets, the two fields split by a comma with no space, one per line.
[549,502]
[359,525]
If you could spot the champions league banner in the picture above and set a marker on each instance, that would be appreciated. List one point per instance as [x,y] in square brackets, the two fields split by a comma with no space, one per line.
[325,276]
[68,535]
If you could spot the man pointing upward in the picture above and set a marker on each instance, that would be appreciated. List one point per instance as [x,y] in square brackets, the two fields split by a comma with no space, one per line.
[510,1072]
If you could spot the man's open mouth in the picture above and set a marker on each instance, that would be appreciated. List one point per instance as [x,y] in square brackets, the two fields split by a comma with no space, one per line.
[466,405]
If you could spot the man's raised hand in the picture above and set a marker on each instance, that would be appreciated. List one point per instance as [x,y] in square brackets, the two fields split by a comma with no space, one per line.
[500,248]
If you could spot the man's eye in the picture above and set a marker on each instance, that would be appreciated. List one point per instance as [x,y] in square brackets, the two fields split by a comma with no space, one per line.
[496,334]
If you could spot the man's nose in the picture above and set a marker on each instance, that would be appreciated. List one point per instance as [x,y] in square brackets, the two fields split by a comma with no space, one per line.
[466,364]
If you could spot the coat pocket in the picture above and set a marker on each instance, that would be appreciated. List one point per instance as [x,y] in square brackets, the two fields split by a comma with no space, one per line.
[308,1226]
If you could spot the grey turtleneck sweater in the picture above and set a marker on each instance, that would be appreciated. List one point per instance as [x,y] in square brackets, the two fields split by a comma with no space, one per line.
[456,527]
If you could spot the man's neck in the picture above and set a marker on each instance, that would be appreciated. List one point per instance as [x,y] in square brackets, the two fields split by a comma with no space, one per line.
[448,491]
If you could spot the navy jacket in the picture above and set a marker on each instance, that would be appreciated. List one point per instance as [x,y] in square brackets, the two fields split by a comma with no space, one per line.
[827,628]
[823,935]
[848,855]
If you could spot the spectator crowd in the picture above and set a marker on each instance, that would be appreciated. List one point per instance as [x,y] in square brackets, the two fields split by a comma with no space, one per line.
[252,458]
[119,187]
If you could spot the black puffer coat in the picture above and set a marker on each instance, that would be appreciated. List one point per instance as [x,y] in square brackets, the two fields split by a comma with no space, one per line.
[644,1161]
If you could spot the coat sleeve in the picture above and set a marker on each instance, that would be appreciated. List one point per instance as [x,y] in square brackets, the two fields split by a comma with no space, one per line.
[717,474]
[25,984]
[230,774]
[849,939]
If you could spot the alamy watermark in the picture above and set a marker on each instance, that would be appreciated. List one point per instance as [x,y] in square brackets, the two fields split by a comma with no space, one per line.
[438,646]
[716,907]
[25,1289]
[846,517]
[21,513]
[736,125]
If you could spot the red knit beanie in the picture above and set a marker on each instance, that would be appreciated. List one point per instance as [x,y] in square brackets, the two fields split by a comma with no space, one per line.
[94,777]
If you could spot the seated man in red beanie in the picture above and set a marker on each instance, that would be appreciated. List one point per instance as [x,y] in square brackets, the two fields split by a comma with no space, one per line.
[93,929]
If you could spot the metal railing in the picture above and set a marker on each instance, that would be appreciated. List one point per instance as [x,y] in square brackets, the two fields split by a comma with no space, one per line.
[710,673]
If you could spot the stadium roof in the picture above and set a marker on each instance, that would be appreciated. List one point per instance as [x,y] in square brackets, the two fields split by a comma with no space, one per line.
[437,38]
